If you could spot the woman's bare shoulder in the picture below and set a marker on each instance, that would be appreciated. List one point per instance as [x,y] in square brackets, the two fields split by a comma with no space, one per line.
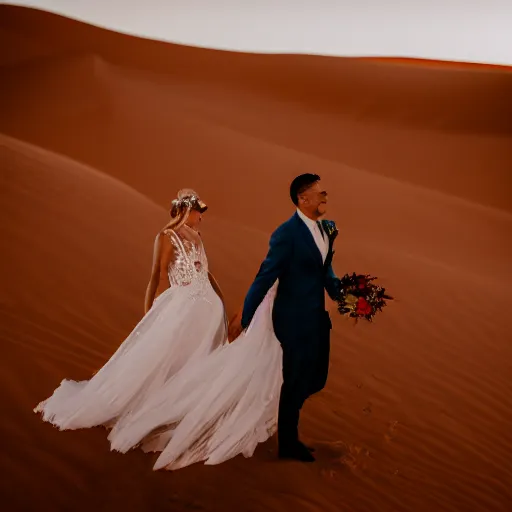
[163,239]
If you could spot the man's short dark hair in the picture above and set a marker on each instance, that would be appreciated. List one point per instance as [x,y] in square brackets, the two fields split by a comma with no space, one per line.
[300,184]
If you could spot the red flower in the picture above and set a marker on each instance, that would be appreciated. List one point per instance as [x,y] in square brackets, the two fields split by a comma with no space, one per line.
[363,307]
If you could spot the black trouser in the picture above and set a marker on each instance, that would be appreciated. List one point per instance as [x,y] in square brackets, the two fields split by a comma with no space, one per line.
[305,369]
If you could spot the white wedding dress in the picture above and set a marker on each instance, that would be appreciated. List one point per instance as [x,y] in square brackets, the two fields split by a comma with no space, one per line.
[185,323]
[216,407]
[175,387]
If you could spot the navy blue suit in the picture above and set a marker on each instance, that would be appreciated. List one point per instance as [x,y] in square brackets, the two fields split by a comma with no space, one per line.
[301,323]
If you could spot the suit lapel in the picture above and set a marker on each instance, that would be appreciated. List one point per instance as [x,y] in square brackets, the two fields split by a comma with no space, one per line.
[330,227]
[308,240]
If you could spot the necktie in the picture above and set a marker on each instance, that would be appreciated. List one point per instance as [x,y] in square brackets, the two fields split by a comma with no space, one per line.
[319,224]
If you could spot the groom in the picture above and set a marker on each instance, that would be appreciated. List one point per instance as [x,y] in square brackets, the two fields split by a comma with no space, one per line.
[300,256]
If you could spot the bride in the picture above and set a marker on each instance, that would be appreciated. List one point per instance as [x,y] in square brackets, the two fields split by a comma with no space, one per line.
[175,385]
[184,321]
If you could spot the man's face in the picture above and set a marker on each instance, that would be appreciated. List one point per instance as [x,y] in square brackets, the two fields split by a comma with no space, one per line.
[313,201]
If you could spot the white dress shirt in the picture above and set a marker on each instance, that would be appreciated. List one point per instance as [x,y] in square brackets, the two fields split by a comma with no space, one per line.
[321,240]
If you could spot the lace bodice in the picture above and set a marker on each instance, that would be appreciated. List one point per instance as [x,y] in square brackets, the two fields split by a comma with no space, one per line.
[190,265]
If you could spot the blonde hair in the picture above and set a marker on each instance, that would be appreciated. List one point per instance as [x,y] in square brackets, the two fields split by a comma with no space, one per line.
[180,209]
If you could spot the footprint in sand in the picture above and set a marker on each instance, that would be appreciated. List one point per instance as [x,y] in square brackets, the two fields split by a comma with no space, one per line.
[329,474]
[391,433]
[356,459]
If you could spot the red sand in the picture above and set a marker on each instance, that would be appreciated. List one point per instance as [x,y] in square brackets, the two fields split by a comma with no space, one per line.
[99,131]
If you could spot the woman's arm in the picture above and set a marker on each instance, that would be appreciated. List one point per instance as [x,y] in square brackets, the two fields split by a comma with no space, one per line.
[218,291]
[215,286]
[155,274]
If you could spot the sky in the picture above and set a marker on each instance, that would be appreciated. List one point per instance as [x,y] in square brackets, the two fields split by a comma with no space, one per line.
[458,30]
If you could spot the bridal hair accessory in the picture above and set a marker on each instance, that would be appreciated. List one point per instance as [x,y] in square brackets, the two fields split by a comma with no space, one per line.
[359,297]
[192,202]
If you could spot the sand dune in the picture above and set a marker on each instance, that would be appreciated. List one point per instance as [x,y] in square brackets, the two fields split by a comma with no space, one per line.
[408,122]
[100,129]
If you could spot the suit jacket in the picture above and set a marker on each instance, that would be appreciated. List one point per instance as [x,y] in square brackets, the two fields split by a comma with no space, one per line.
[299,307]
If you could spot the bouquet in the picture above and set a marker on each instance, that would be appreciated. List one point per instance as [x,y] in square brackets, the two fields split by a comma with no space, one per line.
[359,297]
